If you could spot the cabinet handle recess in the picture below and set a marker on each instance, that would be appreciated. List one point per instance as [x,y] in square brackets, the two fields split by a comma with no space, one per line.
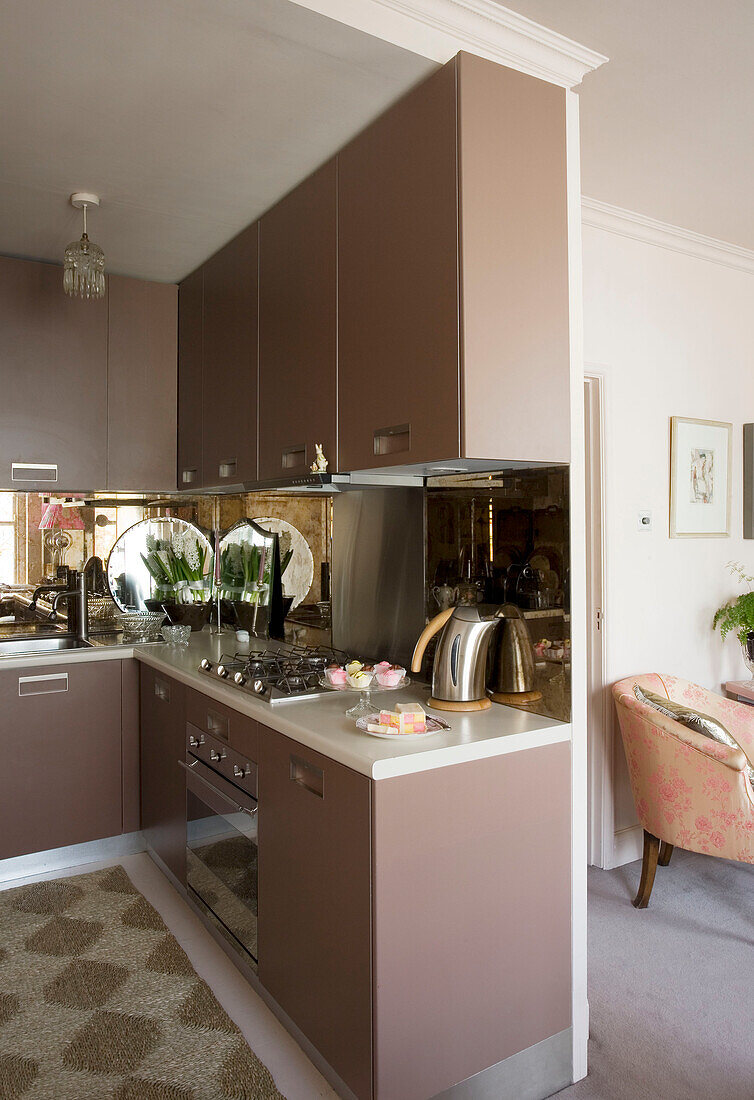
[390,441]
[307,776]
[162,690]
[294,456]
[34,471]
[227,469]
[188,477]
[43,685]
[217,724]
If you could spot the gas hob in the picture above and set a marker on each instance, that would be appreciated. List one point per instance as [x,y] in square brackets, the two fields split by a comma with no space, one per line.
[278,675]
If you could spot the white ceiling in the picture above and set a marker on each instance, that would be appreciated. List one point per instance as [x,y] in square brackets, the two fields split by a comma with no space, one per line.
[188,117]
[668,124]
[191,117]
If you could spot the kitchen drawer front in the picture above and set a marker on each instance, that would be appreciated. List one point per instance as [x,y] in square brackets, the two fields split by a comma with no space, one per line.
[236,730]
[314,901]
[60,743]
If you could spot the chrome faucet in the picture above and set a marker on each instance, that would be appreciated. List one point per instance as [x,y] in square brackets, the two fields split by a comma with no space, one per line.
[80,607]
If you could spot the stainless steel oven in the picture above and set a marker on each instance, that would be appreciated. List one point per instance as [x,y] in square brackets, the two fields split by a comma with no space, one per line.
[221,836]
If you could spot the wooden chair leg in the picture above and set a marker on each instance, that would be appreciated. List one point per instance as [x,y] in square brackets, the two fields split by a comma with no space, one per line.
[666,851]
[648,868]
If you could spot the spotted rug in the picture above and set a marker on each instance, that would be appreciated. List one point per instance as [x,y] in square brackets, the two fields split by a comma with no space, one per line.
[99,1002]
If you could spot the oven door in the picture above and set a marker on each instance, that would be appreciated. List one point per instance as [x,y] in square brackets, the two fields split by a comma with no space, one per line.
[221,853]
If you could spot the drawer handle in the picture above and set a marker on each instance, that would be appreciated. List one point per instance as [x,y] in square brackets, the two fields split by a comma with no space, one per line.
[227,469]
[390,441]
[34,471]
[43,685]
[217,724]
[188,477]
[307,776]
[294,457]
[162,690]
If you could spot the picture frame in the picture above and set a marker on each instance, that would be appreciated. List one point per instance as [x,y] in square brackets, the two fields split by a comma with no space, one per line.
[701,454]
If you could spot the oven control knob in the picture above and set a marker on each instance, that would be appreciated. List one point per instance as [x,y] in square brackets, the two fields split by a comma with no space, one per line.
[217,756]
[223,672]
[240,773]
[206,664]
[194,742]
[239,679]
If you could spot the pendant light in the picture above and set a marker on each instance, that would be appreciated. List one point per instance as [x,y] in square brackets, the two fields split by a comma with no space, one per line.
[84,265]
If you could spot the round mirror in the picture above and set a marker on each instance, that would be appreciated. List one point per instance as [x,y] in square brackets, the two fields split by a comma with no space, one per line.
[163,559]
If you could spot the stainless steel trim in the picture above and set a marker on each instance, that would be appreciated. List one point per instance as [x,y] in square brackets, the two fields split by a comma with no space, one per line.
[216,790]
[37,471]
[57,680]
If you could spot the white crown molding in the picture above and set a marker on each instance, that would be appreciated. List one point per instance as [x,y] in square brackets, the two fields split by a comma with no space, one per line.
[626,223]
[438,29]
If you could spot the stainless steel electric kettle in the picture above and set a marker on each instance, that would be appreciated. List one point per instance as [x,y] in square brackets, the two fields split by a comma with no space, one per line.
[460,667]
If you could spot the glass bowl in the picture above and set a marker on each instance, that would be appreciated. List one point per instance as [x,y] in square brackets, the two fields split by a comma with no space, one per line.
[178,634]
[141,626]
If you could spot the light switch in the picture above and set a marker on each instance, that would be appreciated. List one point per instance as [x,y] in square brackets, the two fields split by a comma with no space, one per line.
[644,521]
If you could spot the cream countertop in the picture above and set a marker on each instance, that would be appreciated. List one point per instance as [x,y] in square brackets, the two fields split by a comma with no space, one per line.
[320,723]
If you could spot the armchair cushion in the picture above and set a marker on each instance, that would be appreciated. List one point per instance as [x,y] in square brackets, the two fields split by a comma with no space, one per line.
[693,719]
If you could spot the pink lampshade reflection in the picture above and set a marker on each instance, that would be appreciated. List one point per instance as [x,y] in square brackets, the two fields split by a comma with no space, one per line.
[55,516]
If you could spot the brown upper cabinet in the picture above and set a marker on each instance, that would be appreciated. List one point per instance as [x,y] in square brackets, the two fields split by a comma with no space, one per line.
[89,395]
[298,327]
[190,329]
[54,371]
[453,318]
[142,364]
[229,362]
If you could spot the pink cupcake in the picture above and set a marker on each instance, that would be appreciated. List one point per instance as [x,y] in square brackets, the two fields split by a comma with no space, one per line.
[335,675]
[382,666]
[391,676]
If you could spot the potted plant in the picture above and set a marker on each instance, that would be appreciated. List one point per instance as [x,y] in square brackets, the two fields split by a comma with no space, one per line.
[738,615]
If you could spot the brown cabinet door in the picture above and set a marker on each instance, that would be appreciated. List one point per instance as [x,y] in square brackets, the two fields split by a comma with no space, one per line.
[54,369]
[314,901]
[298,327]
[60,740]
[163,787]
[398,350]
[190,329]
[229,362]
[141,384]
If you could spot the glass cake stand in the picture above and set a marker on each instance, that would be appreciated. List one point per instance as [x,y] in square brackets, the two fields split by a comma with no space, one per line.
[364,706]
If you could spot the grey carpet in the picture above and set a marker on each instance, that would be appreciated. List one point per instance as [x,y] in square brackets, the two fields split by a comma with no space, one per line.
[671,987]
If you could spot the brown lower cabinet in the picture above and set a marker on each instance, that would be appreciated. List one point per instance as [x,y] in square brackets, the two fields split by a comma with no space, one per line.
[163,787]
[314,901]
[60,739]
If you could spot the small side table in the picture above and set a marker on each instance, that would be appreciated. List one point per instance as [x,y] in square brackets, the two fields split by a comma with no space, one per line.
[743,690]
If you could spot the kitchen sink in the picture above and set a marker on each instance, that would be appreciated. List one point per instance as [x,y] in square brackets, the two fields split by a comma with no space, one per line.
[18,647]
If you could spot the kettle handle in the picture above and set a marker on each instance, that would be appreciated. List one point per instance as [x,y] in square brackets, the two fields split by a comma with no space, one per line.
[429,631]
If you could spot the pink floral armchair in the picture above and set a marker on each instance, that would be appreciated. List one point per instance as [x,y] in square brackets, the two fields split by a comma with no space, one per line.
[690,791]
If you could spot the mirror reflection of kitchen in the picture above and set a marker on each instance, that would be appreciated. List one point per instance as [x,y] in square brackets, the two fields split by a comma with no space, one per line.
[42,537]
[503,538]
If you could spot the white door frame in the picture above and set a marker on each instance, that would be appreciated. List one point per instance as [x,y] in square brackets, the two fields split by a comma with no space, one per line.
[600,737]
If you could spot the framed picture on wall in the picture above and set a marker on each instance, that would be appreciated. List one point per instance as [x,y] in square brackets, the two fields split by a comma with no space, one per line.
[700,478]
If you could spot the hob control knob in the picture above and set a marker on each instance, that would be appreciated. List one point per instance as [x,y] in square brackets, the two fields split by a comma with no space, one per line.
[223,672]
[239,679]
[259,687]
[206,664]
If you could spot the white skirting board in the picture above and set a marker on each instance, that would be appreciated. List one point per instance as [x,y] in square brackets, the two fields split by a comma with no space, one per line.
[74,855]
[628,845]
